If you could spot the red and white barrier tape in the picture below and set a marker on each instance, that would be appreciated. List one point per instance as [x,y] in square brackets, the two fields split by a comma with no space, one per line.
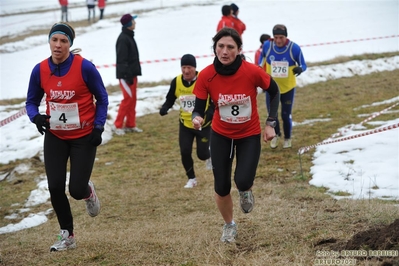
[364,121]
[13,117]
[253,51]
[17,115]
[370,132]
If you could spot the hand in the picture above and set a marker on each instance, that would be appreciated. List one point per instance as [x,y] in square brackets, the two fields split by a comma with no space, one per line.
[163,111]
[42,123]
[269,133]
[297,71]
[95,137]
[197,122]
[129,81]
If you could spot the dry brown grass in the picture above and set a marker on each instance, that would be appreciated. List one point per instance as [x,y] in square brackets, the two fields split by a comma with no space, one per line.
[148,218]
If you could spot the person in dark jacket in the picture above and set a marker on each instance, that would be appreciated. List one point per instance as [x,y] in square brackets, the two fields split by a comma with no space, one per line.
[127,69]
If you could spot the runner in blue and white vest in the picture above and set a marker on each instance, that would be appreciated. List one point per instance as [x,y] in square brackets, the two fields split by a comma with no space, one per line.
[283,60]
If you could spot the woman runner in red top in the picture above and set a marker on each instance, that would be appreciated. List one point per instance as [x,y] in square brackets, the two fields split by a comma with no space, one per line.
[77,104]
[232,85]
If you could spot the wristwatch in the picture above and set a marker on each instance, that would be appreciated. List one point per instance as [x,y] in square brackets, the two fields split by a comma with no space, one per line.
[271,123]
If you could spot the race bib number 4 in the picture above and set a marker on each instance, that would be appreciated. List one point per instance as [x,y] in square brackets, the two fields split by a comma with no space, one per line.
[236,112]
[64,116]
[279,69]
[187,103]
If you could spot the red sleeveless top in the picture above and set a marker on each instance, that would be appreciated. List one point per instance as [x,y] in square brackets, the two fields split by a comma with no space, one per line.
[69,101]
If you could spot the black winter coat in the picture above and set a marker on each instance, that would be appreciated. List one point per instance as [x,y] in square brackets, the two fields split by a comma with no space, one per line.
[127,56]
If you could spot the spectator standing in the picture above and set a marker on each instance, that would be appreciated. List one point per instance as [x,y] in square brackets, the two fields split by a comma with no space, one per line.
[182,88]
[284,62]
[232,85]
[238,25]
[64,10]
[101,6]
[263,38]
[73,124]
[226,20]
[127,69]
[91,9]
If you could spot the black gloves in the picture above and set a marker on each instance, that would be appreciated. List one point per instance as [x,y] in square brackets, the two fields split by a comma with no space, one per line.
[163,111]
[95,137]
[297,71]
[129,81]
[42,123]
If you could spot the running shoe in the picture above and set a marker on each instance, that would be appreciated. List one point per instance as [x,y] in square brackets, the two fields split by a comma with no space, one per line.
[287,144]
[247,201]
[191,183]
[274,142]
[229,233]
[64,242]
[133,129]
[92,203]
[119,131]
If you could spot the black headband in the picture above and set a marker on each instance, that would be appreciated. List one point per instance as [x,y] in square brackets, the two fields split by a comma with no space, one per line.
[64,29]
[280,32]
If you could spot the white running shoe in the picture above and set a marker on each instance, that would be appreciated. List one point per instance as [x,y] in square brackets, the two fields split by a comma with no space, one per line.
[92,203]
[274,142]
[119,131]
[64,242]
[208,164]
[229,233]
[133,129]
[287,144]
[191,183]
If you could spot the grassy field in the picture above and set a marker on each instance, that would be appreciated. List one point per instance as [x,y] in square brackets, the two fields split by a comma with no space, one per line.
[148,218]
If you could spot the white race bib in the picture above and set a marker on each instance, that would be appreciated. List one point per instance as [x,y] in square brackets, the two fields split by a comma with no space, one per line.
[64,116]
[279,69]
[187,103]
[237,111]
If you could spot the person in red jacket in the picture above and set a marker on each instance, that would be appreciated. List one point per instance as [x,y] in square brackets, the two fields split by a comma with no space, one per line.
[236,131]
[101,6]
[64,10]
[238,25]
[263,38]
[226,20]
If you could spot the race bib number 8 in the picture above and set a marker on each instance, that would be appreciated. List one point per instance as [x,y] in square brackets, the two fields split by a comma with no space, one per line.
[64,116]
[279,69]
[236,112]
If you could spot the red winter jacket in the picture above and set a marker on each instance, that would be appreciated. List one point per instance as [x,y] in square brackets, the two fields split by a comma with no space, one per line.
[101,4]
[63,2]
[225,21]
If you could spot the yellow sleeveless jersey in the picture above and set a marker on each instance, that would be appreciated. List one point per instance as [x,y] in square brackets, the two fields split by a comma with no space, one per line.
[187,102]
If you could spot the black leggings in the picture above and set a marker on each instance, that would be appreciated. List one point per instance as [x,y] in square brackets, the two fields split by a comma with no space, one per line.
[223,149]
[186,138]
[81,154]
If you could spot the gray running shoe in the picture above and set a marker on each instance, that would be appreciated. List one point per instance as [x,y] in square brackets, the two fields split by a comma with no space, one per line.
[64,242]
[247,201]
[229,233]
[133,129]
[92,203]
